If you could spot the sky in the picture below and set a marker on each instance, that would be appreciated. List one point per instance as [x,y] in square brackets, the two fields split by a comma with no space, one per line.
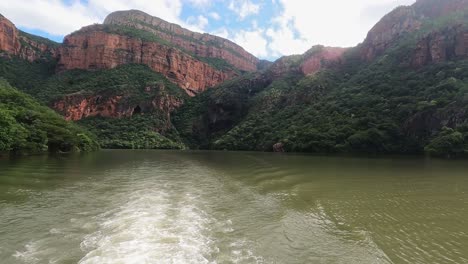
[268,29]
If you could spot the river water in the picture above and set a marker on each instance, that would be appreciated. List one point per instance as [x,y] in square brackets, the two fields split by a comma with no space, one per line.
[222,207]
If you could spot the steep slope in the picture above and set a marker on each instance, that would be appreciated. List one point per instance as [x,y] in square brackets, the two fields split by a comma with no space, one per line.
[103,47]
[129,106]
[411,22]
[403,90]
[201,45]
[28,127]
[193,61]
[14,42]
[383,96]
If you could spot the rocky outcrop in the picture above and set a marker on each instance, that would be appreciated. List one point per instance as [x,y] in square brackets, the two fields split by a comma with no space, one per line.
[441,46]
[203,45]
[9,37]
[388,30]
[324,57]
[17,43]
[438,8]
[37,48]
[78,106]
[285,65]
[409,19]
[430,122]
[93,48]
[315,59]
[108,104]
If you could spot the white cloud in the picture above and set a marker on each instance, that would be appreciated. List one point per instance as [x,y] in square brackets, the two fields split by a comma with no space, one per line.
[299,25]
[197,23]
[253,41]
[215,16]
[200,3]
[57,18]
[221,32]
[244,8]
[303,24]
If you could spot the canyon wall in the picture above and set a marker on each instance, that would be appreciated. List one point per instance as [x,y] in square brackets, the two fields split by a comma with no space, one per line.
[93,48]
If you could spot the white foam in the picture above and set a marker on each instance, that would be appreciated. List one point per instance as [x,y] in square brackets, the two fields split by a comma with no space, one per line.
[152,226]
[29,255]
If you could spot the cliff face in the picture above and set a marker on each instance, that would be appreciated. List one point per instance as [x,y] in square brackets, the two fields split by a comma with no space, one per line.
[166,48]
[96,49]
[401,20]
[323,58]
[9,41]
[203,45]
[441,46]
[408,19]
[314,60]
[16,43]
[77,106]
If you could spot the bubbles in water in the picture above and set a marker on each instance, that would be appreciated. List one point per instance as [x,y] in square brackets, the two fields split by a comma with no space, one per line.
[152,225]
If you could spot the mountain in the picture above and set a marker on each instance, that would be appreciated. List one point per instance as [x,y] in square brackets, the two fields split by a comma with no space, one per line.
[24,45]
[403,90]
[137,81]
[28,127]
[193,61]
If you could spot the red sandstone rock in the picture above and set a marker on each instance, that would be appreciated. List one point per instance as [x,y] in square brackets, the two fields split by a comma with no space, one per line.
[407,19]
[78,106]
[388,30]
[14,44]
[315,62]
[312,61]
[203,45]
[95,49]
[9,40]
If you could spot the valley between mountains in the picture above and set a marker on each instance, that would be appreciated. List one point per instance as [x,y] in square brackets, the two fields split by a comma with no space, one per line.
[139,82]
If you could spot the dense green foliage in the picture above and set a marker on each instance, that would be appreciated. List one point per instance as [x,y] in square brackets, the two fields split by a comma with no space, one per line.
[137,132]
[26,76]
[389,105]
[28,127]
[39,39]
[386,106]
[129,79]
[138,85]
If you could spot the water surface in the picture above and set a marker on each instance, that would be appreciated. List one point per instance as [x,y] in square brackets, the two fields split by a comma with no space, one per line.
[222,207]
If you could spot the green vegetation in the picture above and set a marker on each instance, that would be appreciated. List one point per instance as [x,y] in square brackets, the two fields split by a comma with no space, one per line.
[28,127]
[212,42]
[26,76]
[449,143]
[383,107]
[137,85]
[39,39]
[130,79]
[219,64]
[137,132]
[388,106]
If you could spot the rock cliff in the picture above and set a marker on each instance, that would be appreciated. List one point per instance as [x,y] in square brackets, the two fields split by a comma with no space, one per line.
[325,56]
[79,105]
[93,48]
[406,20]
[315,59]
[9,39]
[28,47]
[438,47]
[203,45]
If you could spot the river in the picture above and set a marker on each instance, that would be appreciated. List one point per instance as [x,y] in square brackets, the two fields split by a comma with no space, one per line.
[117,206]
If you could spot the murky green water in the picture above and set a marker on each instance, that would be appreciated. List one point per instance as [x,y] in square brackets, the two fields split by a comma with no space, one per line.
[216,207]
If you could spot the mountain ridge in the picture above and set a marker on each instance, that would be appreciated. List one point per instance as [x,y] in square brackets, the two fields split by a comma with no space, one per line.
[400,91]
